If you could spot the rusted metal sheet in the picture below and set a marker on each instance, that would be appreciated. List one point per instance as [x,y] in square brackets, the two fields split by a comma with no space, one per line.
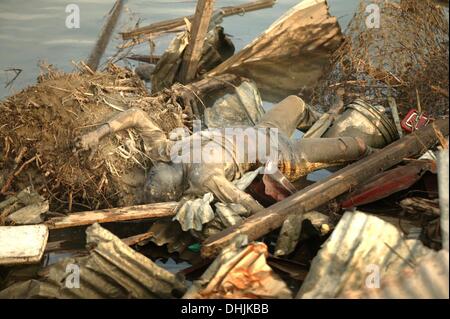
[388,183]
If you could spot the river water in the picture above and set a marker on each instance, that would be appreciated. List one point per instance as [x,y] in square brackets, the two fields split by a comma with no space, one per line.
[34,31]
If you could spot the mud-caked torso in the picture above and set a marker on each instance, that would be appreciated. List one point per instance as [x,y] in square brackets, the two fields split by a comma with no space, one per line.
[227,152]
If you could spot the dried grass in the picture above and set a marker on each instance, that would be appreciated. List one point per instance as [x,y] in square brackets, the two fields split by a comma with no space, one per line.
[406,58]
[47,117]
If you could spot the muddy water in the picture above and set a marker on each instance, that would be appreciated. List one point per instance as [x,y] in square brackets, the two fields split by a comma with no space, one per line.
[33,31]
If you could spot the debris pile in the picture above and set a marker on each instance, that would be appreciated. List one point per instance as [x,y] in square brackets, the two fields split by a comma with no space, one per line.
[399,50]
[111,270]
[99,200]
[39,125]
[240,273]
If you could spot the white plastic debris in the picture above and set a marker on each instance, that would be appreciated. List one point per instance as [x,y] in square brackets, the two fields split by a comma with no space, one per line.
[22,244]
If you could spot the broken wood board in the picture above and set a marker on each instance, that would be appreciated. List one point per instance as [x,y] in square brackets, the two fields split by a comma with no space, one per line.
[199,28]
[418,205]
[322,192]
[24,208]
[22,244]
[133,240]
[443,195]
[156,210]
[292,54]
[31,214]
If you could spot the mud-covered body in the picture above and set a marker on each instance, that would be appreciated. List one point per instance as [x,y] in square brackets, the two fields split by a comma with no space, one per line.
[210,160]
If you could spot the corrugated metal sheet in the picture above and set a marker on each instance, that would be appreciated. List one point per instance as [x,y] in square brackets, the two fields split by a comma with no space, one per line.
[111,270]
[429,280]
[361,248]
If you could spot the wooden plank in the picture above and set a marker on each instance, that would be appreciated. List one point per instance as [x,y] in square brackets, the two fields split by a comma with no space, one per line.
[322,192]
[168,25]
[148,211]
[22,244]
[193,52]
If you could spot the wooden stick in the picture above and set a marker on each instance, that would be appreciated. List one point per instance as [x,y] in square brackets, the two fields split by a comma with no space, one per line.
[148,211]
[133,240]
[199,28]
[152,59]
[322,192]
[440,90]
[9,180]
[105,35]
[214,83]
[168,25]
